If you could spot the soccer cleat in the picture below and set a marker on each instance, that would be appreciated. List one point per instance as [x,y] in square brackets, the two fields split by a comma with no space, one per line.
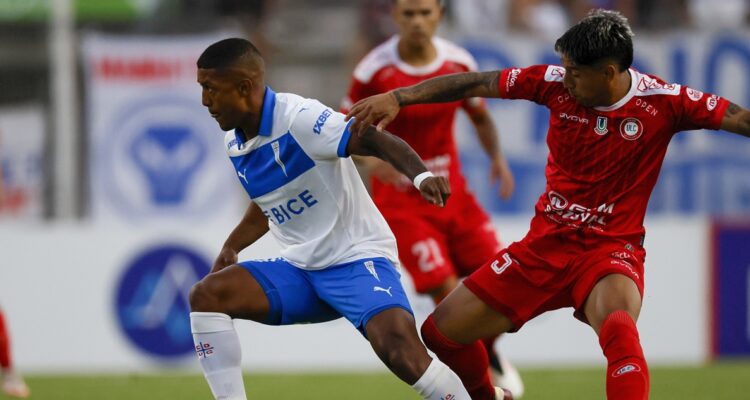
[503,394]
[506,376]
[14,386]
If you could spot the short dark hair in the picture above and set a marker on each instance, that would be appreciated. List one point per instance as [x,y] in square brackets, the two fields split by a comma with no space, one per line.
[227,53]
[601,35]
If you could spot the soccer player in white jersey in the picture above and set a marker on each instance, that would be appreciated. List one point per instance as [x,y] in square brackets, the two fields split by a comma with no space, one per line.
[338,255]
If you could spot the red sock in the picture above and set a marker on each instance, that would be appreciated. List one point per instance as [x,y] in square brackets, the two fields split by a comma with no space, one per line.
[627,372]
[4,344]
[469,362]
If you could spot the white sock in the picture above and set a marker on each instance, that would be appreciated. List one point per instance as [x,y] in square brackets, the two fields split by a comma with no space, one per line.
[218,349]
[439,382]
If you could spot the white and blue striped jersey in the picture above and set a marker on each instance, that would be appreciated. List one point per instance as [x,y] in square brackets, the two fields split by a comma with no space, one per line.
[297,170]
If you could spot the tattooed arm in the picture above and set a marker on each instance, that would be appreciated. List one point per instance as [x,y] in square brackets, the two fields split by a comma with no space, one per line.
[737,120]
[383,108]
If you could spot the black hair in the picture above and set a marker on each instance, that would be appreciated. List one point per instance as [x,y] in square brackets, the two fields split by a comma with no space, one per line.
[229,52]
[601,35]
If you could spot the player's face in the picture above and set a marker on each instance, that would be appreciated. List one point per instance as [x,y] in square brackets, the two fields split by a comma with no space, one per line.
[221,95]
[417,20]
[588,85]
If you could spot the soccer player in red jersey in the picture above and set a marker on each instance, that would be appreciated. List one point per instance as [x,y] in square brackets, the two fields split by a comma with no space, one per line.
[609,130]
[437,246]
[12,383]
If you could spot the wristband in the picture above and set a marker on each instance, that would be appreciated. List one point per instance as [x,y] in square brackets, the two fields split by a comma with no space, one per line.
[421,177]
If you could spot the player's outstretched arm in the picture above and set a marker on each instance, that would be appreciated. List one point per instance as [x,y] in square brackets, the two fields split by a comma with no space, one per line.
[736,119]
[381,109]
[252,227]
[398,153]
[490,140]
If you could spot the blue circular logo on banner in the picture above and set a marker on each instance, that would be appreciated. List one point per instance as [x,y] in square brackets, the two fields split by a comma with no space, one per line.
[152,299]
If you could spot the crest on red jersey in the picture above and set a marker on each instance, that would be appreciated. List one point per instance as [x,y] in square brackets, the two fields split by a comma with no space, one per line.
[601,126]
[631,128]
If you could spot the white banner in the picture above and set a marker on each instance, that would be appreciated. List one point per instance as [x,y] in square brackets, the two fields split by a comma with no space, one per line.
[115,298]
[155,152]
[22,131]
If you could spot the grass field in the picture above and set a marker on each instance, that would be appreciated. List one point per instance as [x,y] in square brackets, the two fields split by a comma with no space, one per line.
[723,381]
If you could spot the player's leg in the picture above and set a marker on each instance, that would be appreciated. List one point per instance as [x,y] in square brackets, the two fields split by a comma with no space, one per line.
[13,384]
[369,294]
[471,241]
[271,292]
[612,308]
[231,292]
[393,336]
[454,332]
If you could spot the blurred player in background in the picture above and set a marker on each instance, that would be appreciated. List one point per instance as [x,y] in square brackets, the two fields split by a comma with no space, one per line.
[610,126]
[13,384]
[437,246]
[338,259]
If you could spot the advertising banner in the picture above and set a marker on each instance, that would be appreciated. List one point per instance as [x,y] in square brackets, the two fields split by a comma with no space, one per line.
[155,152]
[731,289]
[22,169]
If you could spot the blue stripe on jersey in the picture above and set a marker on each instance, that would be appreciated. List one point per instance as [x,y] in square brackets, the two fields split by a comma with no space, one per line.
[344,140]
[272,165]
[266,114]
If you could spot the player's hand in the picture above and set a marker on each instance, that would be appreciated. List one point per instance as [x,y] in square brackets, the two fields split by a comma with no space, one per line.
[227,257]
[378,110]
[500,171]
[436,190]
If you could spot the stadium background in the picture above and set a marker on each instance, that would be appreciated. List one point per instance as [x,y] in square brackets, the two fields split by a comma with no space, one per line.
[118,194]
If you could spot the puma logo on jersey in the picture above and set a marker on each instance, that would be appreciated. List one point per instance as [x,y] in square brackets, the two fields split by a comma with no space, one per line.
[242,175]
[380,289]
[277,156]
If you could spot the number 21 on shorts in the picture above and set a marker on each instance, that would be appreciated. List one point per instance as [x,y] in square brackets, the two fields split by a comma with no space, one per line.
[428,254]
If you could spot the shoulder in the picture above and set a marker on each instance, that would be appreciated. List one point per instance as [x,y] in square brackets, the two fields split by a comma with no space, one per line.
[378,58]
[455,53]
[649,85]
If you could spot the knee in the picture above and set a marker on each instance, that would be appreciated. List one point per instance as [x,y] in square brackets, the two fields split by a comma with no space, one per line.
[204,297]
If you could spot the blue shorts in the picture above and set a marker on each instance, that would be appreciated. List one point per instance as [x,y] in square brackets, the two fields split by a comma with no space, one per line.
[357,290]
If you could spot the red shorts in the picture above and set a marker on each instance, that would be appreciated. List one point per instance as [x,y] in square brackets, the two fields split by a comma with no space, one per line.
[522,283]
[434,243]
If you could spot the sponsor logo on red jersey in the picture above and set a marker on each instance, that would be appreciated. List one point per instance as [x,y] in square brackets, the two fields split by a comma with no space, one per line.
[693,94]
[560,207]
[512,77]
[712,102]
[631,128]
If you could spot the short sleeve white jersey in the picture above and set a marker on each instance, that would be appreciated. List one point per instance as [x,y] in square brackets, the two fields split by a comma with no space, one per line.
[297,170]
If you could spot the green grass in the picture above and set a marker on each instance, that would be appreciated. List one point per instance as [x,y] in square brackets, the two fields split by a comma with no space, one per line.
[723,381]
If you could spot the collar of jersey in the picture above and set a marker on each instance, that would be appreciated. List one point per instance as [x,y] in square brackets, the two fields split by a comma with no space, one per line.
[266,117]
[628,96]
[417,71]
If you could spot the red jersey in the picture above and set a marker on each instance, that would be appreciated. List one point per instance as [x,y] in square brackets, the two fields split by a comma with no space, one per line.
[427,128]
[604,161]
